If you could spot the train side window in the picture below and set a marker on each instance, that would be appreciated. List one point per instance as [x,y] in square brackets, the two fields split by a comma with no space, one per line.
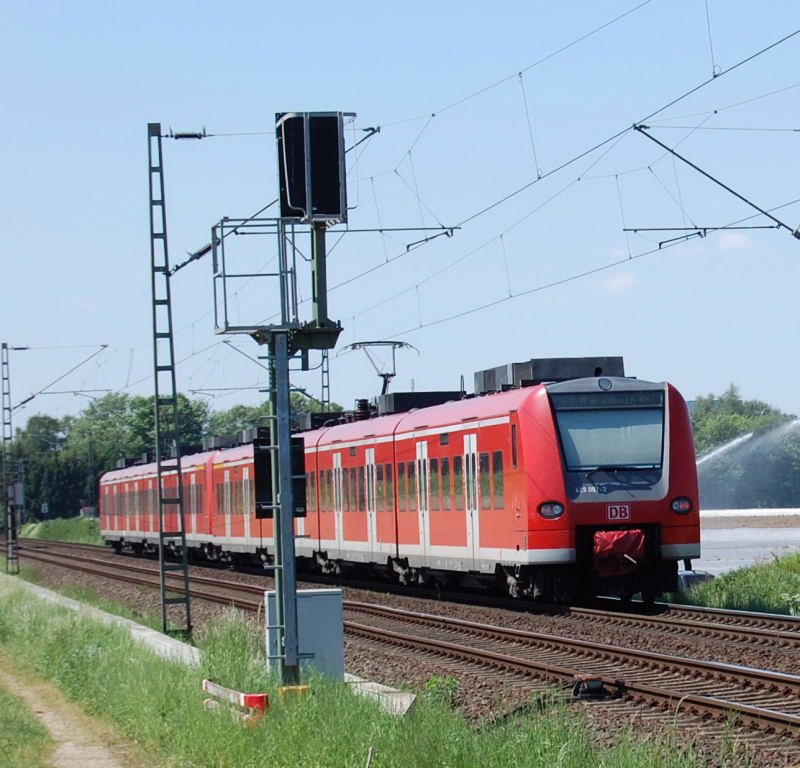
[444,438]
[412,487]
[497,479]
[446,483]
[361,492]
[514,446]
[379,488]
[433,471]
[485,481]
[402,490]
[458,481]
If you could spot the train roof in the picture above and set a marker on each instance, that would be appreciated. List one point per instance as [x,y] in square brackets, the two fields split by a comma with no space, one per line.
[453,412]
[187,462]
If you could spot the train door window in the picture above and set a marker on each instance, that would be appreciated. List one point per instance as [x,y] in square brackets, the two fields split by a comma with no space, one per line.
[379,488]
[362,503]
[238,495]
[412,487]
[485,481]
[446,503]
[497,479]
[389,488]
[311,491]
[323,491]
[402,491]
[329,489]
[353,490]
[433,471]
[458,481]
[514,446]
[220,498]
[345,491]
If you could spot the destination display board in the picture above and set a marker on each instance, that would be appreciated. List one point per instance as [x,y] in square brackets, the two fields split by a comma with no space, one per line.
[564,401]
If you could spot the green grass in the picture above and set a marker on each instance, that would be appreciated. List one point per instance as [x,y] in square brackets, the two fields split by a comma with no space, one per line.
[24,742]
[770,587]
[79,530]
[159,705]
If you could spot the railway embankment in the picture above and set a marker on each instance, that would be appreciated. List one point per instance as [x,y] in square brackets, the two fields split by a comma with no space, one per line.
[158,705]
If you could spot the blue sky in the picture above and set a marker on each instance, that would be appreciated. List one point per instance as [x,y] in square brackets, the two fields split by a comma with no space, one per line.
[472,107]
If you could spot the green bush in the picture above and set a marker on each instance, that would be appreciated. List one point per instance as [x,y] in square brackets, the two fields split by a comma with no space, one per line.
[77,530]
[771,587]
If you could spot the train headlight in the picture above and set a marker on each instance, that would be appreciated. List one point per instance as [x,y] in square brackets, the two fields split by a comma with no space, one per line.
[551,509]
[682,505]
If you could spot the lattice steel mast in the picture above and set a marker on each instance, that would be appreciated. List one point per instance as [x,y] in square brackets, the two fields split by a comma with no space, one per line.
[8,475]
[171,527]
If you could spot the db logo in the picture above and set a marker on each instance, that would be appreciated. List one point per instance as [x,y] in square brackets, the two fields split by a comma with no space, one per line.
[618,512]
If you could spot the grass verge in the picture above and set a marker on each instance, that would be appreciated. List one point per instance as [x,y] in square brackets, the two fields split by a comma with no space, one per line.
[77,530]
[159,705]
[24,742]
[770,587]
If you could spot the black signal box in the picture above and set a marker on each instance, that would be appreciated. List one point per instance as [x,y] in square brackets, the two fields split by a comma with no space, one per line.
[311,166]
[262,461]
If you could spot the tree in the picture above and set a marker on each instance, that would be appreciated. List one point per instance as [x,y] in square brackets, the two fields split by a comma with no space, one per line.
[763,471]
[717,420]
[50,477]
[242,417]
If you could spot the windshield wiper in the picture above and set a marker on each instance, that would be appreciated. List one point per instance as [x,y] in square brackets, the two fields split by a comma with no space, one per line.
[614,469]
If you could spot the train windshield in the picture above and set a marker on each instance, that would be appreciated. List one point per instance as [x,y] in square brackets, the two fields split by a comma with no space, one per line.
[611,431]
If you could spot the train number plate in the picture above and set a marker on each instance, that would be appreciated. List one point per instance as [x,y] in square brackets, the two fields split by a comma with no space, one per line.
[618,513]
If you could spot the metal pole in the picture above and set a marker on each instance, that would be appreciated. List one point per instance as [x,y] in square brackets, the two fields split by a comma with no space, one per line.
[284,520]
[319,274]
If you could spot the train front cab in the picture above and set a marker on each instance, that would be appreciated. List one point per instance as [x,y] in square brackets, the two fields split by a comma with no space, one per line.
[628,508]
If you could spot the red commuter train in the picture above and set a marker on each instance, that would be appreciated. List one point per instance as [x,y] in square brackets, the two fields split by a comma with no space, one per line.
[556,491]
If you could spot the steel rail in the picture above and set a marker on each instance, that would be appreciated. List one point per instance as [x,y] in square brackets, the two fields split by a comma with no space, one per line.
[719,709]
[730,624]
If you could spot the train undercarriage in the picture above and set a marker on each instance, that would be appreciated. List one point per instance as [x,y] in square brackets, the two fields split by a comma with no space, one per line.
[618,562]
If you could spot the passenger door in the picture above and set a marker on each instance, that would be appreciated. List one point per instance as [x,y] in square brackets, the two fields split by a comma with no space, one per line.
[337,499]
[471,496]
[371,522]
[423,497]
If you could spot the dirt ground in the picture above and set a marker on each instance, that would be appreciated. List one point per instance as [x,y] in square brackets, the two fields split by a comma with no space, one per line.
[81,742]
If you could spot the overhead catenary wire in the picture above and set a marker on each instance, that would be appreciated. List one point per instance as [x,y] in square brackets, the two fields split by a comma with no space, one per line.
[28,399]
[616,136]
[538,62]
[794,232]
[621,132]
[714,67]
[568,279]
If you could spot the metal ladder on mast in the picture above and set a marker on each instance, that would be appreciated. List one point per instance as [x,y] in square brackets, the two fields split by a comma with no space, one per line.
[326,381]
[171,527]
[7,474]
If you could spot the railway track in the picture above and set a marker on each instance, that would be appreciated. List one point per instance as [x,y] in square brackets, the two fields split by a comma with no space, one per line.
[764,703]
